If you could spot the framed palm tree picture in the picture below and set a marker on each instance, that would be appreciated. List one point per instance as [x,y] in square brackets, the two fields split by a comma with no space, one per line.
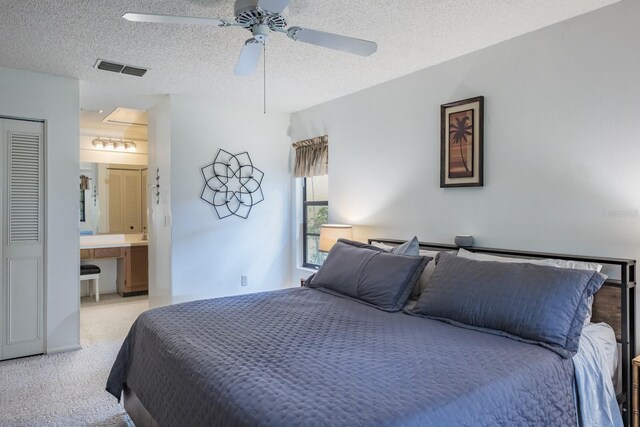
[461,143]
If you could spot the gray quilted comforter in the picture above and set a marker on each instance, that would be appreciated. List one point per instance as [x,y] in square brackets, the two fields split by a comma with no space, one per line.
[301,357]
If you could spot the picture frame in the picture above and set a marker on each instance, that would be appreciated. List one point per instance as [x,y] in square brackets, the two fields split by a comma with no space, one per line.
[462,143]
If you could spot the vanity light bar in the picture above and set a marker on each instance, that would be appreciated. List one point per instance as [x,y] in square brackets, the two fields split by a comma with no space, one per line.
[114,145]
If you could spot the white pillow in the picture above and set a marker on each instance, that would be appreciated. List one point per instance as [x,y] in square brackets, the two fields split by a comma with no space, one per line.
[382,246]
[559,263]
[426,273]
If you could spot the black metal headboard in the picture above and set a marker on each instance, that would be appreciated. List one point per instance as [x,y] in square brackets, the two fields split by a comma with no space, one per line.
[613,304]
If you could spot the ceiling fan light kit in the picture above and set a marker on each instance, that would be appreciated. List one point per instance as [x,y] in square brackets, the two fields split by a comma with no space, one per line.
[262,17]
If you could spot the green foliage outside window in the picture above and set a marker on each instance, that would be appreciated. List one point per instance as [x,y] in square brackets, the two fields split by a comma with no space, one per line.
[316,212]
[321,217]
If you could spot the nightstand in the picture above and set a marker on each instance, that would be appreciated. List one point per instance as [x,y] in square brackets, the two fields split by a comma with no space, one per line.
[635,395]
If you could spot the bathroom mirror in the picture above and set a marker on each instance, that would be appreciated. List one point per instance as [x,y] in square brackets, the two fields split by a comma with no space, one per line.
[113,199]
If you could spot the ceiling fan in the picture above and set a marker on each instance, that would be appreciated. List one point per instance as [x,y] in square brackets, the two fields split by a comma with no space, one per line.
[262,17]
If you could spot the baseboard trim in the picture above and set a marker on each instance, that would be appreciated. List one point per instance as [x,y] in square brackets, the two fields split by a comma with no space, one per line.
[64,349]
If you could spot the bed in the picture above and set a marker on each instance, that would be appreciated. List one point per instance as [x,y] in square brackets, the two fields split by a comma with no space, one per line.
[309,356]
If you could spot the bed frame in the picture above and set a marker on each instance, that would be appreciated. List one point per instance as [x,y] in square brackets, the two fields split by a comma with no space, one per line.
[136,410]
[613,304]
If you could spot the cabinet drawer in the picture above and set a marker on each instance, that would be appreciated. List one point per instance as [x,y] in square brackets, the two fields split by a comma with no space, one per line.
[85,253]
[107,253]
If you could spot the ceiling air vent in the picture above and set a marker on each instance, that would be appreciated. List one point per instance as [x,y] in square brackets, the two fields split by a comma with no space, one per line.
[114,67]
[133,71]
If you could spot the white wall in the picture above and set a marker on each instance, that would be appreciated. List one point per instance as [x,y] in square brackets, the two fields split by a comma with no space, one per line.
[89,154]
[54,99]
[561,144]
[160,213]
[208,254]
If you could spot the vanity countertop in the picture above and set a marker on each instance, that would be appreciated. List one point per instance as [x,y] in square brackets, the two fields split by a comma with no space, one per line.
[112,241]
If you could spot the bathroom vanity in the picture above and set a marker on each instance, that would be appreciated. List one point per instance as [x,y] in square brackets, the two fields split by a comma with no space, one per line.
[131,253]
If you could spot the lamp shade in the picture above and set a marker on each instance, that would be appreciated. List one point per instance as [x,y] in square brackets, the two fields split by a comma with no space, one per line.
[330,233]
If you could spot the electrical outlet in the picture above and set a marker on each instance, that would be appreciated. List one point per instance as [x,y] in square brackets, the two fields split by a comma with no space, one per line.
[244,281]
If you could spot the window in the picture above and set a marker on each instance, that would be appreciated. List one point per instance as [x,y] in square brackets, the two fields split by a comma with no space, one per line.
[315,208]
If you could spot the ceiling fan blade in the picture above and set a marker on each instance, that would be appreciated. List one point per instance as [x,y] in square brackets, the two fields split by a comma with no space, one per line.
[274,6]
[167,19]
[333,41]
[249,58]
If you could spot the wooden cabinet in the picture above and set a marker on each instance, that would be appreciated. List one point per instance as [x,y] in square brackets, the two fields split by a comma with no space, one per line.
[107,253]
[136,270]
[133,267]
[635,395]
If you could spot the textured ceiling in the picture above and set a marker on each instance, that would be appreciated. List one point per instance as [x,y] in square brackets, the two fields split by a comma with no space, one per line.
[65,37]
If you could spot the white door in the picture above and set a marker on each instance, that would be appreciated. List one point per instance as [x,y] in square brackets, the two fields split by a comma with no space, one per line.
[22,211]
[124,201]
[116,202]
[132,202]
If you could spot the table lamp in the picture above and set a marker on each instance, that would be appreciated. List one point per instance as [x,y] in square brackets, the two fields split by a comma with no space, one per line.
[330,233]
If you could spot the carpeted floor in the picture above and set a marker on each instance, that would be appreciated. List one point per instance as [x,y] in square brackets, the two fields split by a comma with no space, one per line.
[67,389]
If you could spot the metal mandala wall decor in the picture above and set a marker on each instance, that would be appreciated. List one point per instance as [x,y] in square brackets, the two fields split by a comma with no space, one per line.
[232,184]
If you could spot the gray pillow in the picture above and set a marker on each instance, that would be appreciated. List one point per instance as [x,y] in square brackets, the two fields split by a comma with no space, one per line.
[410,247]
[368,274]
[532,303]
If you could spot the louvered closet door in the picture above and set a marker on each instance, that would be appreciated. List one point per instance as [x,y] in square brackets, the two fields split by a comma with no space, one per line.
[23,239]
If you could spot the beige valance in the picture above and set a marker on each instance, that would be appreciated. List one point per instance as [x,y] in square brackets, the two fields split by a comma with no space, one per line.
[312,157]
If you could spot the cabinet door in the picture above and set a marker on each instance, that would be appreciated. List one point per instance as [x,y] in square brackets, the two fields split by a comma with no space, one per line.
[116,201]
[22,296]
[138,274]
[132,202]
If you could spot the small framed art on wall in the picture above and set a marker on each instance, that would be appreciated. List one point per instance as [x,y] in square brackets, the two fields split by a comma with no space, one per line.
[461,143]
